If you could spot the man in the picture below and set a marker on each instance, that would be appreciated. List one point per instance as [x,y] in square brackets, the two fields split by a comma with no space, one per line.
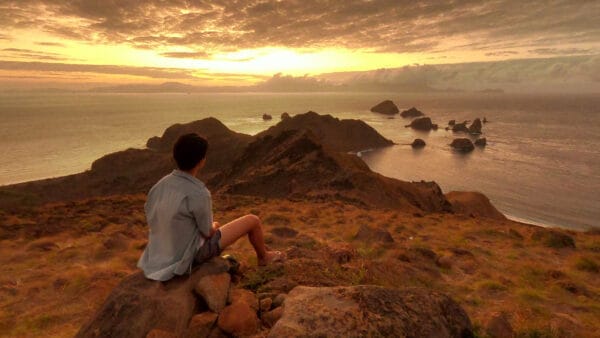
[179,215]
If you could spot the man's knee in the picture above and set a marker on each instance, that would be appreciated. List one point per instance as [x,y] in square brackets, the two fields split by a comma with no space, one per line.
[254,219]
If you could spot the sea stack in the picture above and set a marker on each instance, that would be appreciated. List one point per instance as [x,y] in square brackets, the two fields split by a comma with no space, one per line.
[412,112]
[386,107]
[418,143]
[267,117]
[423,124]
[463,145]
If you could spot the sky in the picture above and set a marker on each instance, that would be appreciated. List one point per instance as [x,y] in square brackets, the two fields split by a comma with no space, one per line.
[467,44]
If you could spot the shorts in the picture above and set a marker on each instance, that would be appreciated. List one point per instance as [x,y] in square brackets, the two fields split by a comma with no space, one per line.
[209,249]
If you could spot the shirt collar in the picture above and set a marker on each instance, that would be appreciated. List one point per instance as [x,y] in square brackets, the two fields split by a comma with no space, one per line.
[181,173]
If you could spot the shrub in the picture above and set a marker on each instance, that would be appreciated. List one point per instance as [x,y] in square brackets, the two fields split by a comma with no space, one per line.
[587,264]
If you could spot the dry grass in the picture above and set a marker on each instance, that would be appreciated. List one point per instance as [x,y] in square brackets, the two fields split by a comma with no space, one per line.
[59,262]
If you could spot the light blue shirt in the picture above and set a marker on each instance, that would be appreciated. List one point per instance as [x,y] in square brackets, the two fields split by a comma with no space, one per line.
[179,215]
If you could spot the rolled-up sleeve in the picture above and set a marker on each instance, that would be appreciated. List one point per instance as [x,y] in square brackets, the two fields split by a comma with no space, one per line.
[200,206]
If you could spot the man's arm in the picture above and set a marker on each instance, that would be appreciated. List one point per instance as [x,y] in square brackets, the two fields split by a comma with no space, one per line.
[200,207]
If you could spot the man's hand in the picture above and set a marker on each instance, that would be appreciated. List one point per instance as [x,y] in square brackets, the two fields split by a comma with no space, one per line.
[214,228]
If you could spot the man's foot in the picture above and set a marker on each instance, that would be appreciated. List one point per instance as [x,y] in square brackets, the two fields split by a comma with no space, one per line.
[272,257]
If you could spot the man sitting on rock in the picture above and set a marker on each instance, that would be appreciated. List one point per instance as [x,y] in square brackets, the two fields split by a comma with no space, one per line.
[179,214]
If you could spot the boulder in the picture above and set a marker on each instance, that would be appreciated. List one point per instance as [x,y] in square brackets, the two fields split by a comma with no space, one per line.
[270,318]
[201,325]
[475,127]
[373,235]
[243,296]
[370,311]
[158,333]
[265,304]
[279,299]
[460,127]
[423,124]
[418,143]
[463,145]
[451,122]
[214,289]
[238,319]
[481,142]
[386,107]
[285,116]
[473,203]
[412,112]
[267,117]
[138,305]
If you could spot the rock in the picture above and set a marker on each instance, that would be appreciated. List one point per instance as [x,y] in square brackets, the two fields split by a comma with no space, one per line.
[485,120]
[553,238]
[499,327]
[475,127]
[138,305]
[278,300]
[370,311]
[265,304]
[243,296]
[158,333]
[418,143]
[481,142]
[214,290]
[373,235]
[285,116]
[423,124]
[412,112]
[386,107]
[267,117]
[451,122]
[463,145]
[270,318]
[238,319]
[473,204]
[201,325]
[444,262]
[460,127]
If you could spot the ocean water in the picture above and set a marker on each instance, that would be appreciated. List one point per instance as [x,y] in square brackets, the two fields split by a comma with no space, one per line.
[541,165]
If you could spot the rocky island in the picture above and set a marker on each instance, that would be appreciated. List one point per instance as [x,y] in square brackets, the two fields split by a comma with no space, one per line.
[367,255]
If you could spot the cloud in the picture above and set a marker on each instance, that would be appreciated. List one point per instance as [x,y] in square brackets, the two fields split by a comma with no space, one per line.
[50,44]
[20,53]
[186,55]
[149,72]
[376,25]
[502,53]
[557,74]
[561,51]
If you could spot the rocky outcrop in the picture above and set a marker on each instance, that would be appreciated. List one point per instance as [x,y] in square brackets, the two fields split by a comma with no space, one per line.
[412,112]
[423,124]
[294,165]
[386,107]
[474,204]
[418,143]
[285,116]
[463,145]
[475,127]
[336,134]
[370,311]
[138,305]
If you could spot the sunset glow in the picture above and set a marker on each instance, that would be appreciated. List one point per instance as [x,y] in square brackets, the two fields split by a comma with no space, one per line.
[246,42]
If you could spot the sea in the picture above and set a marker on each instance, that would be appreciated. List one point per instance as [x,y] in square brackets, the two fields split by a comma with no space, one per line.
[541,164]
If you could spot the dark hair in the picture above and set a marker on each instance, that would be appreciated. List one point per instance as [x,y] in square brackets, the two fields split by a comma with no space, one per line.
[189,150]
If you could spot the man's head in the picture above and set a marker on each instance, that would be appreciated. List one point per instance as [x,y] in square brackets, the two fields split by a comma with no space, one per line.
[189,150]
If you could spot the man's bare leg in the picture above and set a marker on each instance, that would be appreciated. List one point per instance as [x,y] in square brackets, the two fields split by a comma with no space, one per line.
[251,225]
